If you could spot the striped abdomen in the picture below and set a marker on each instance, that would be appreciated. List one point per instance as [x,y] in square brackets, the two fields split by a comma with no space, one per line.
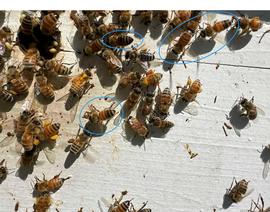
[6,96]
[123,207]
[106,114]
[19,86]
[146,56]
[222,25]
[26,25]
[124,40]
[92,47]
[51,129]
[48,24]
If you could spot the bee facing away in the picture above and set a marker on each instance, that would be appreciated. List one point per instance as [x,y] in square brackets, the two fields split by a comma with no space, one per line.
[136,56]
[132,99]
[163,101]
[138,127]
[151,78]
[130,79]
[247,25]
[43,87]
[190,90]
[113,63]
[238,191]
[258,206]
[3,170]
[49,24]
[180,45]
[117,39]
[46,186]
[42,203]
[51,130]
[159,123]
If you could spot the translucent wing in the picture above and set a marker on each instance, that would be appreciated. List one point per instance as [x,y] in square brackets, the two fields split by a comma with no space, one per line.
[191,109]
[7,141]
[237,131]
[248,192]
[211,17]
[50,154]
[117,119]
[105,202]
[63,98]
[260,111]
[115,61]
[266,169]
[155,63]
[73,111]
[88,156]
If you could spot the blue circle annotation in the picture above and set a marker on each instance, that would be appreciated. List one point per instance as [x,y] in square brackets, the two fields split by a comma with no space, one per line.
[119,31]
[106,132]
[209,54]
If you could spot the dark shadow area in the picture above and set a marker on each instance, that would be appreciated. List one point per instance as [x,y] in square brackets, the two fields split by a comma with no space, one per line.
[265,154]
[20,97]
[94,129]
[57,81]
[121,93]
[155,29]
[2,17]
[201,46]
[169,61]
[6,106]
[129,135]
[44,100]
[70,159]
[138,26]
[2,179]
[23,172]
[227,202]
[158,133]
[179,106]
[72,100]
[238,42]
[28,76]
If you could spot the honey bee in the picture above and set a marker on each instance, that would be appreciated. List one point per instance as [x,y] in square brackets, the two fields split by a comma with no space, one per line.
[103,29]
[190,90]
[43,88]
[118,205]
[250,110]
[80,143]
[138,127]
[191,154]
[247,25]
[28,158]
[92,47]
[142,209]
[6,45]
[114,64]
[162,15]
[58,67]
[151,78]
[159,123]
[124,18]
[132,78]
[119,40]
[43,203]
[49,24]
[173,23]
[146,16]
[163,101]
[136,56]
[30,137]
[5,95]
[3,170]
[184,15]
[82,24]
[15,82]
[133,98]
[180,45]
[27,24]
[96,116]
[147,104]
[212,30]
[238,191]
[258,206]
[80,85]
[51,130]
[46,186]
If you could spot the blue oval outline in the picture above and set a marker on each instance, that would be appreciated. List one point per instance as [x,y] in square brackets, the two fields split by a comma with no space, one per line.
[206,56]
[106,132]
[122,30]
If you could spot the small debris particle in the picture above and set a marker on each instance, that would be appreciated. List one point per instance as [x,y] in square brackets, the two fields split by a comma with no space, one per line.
[187,120]
[60,113]
[16,206]
[227,126]
[217,66]
[10,134]
[224,131]
[67,122]
[215,99]
[144,176]
[249,139]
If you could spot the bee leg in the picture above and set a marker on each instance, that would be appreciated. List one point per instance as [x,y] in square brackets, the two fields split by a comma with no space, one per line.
[244,31]
[44,178]
[234,181]
[57,176]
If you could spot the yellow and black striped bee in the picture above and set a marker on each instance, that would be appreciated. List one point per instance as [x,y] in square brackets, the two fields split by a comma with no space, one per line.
[147,104]
[118,205]
[123,18]
[113,62]
[159,123]
[49,24]
[163,100]
[144,55]
[132,99]
[51,130]
[5,95]
[117,39]
[57,67]
[238,191]
[146,16]
[131,79]
[42,203]
[3,170]
[212,30]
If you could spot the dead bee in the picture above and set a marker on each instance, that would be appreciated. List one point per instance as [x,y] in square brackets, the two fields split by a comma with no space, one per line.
[147,104]
[159,123]
[49,24]
[132,99]
[80,143]
[3,170]
[247,25]
[82,24]
[130,79]
[250,110]
[43,203]
[57,67]
[190,90]
[46,186]
[146,16]
[151,78]
[124,18]
[238,191]
[258,206]
[138,127]
[114,64]
[118,39]
[191,154]
[162,15]
[163,101]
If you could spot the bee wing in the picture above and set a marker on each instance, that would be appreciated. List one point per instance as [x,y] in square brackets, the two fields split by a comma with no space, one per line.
[105,202]
[73,111]
[114,60]
[248,192]
[260,111]
[266,169]
[7,141]
[63,98]
[117,119]
[50,154]
[211,17]
[191,109]
[88,156]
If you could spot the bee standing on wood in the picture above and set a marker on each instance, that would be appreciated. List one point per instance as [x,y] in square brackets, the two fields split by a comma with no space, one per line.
[132,99]
[43,203]
[238,191]
[49,24]
[124,18]
[159,123]
[57,67]
[113,63]
[131,79]
[162,15]
[163,101]
[151,78]
[147,104]
[146,16]
[118,39]
[138,127]
[248,25]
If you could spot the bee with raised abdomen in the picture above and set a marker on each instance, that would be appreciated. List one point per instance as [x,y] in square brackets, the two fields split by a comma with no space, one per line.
[132,99]
[113,63]
[238,191]
[46,186]
[42,203]
[3,170]
[190,90]
[163,101]
[130,79]
[159,123]
[151,78]
[49,24]
[258,206]
[138,127]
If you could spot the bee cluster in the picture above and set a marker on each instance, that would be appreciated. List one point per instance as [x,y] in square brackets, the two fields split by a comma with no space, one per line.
[146,106]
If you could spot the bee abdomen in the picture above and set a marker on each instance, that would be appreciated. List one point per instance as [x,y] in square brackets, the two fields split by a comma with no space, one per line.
[48,24]
[6,96]
[52,129]
[144,57]
[26,25]
[124,40]
[106,114]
